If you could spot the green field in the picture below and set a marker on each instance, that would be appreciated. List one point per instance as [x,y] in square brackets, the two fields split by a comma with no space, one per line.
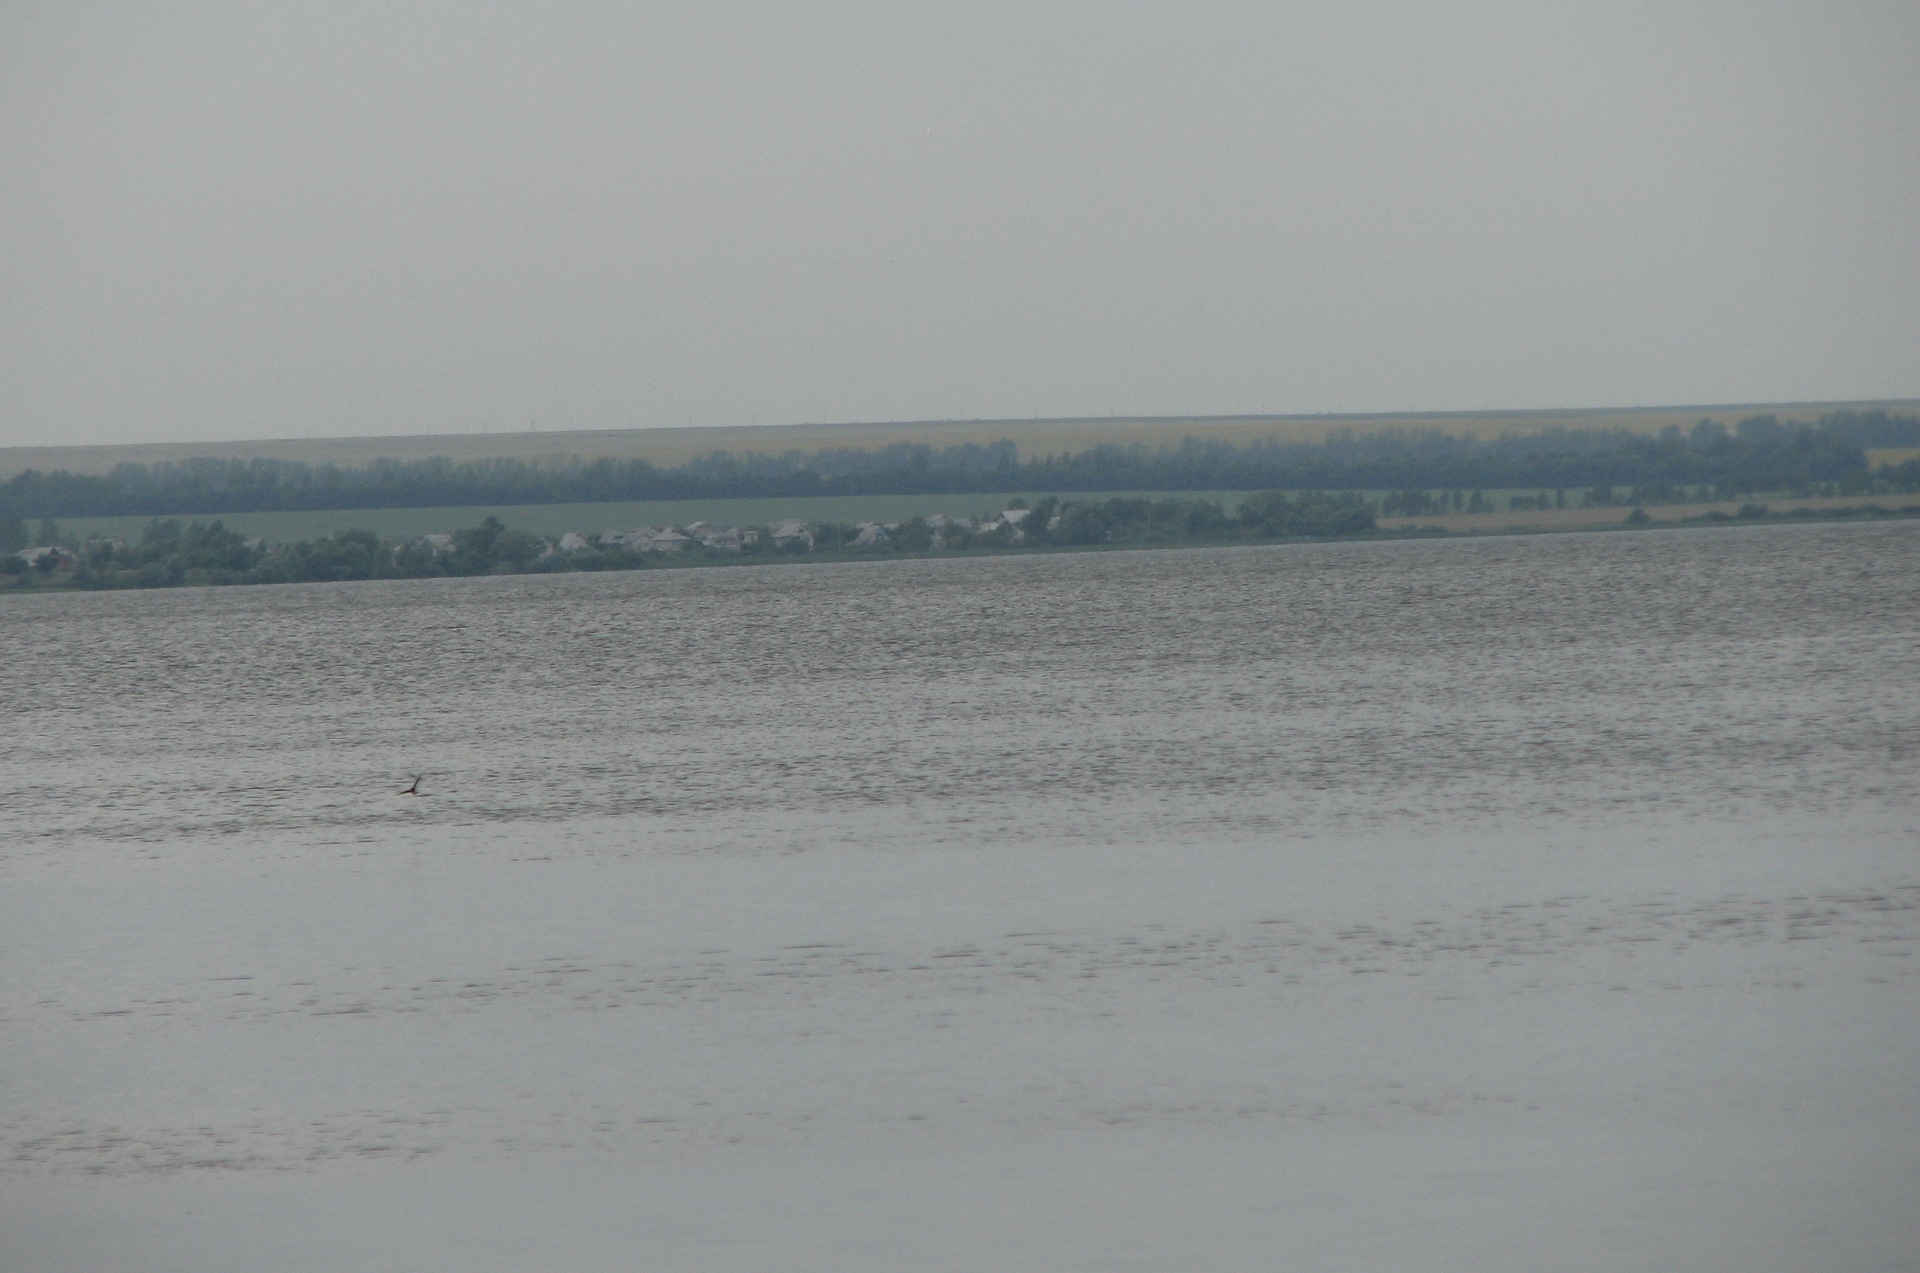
[556,519]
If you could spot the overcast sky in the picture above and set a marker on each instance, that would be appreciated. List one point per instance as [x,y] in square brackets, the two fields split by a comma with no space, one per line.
[267,221]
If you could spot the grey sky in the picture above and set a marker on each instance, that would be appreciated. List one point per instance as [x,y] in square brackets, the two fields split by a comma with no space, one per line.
[264,220]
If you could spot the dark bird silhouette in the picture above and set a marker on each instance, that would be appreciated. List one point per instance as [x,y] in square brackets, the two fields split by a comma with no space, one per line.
[414,790]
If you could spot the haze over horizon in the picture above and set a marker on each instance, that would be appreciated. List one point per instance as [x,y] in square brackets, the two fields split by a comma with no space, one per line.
[222,222]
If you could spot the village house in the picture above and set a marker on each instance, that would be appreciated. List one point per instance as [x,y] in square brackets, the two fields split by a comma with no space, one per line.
[667,541]
[634,539]
[726,539]
[573,542]
[792,533]
[435,544]
[707,535]
[47,556]
[1011,519]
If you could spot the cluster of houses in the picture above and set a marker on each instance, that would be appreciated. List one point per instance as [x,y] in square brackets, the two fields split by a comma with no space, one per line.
[56,556]
[945,528]
[1008,519]
[48,556]
[791,535]
[666,539]
[672,539]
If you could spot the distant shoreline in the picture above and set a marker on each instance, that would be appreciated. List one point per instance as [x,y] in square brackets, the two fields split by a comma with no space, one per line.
[68,576]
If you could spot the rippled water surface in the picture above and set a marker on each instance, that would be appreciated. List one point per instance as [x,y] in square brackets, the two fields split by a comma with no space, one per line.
[1530,883]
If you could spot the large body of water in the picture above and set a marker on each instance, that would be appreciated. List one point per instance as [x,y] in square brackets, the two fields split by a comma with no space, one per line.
[1496,904]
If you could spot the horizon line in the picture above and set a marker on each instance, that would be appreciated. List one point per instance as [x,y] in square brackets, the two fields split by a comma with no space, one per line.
[1251,417]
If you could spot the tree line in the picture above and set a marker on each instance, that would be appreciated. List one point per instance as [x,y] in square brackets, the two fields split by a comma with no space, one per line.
[1761,454]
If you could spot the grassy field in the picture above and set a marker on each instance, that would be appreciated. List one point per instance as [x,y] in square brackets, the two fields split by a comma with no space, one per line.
[1033,437]
[556,519]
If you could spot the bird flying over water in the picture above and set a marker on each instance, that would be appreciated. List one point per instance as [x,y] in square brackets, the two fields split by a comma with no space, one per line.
[414,790]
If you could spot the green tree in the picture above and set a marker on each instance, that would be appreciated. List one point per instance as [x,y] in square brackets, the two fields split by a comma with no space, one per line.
[912,536]
[514,549]
[161,534]
[479,540]
[1272,514]
[351,554]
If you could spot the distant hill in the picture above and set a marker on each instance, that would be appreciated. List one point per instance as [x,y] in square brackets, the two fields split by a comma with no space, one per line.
[1036,437]
[1760,453]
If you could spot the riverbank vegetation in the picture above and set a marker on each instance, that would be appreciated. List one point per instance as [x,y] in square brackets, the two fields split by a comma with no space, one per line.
[171,554]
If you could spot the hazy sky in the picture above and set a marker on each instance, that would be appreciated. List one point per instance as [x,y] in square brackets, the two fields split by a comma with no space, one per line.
[275,220]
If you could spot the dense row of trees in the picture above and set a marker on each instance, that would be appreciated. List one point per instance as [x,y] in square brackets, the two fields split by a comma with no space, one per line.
[1759,455]
[169,554]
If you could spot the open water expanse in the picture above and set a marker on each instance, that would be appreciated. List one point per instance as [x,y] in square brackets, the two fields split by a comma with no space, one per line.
[1504,904]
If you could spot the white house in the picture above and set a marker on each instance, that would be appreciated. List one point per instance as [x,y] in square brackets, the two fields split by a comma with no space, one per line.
[792,533]
[720,539]
[635,539]
[572,542]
